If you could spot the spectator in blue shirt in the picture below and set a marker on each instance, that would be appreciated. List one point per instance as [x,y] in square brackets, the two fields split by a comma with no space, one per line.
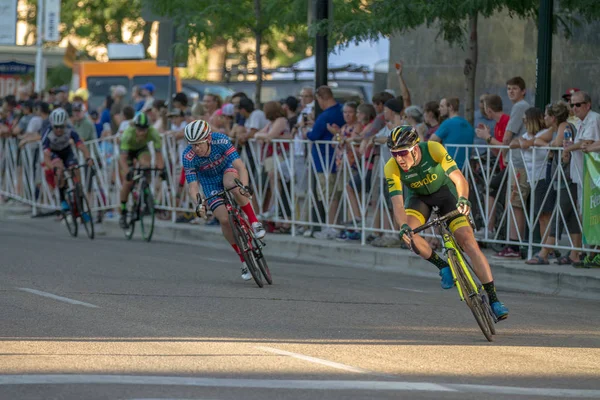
[332,114]
[482,118]
[454,131]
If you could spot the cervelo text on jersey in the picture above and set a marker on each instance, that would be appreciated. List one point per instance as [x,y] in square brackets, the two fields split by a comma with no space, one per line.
[425,178]
[222,154]
[430,178]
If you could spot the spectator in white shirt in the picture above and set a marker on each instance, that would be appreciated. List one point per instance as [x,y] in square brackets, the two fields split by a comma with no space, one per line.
[588,132]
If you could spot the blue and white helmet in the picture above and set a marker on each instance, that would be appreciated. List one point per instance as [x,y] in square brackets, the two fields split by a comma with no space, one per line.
[58,117]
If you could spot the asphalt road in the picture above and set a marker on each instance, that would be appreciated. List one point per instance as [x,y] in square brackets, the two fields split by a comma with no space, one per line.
[117,319]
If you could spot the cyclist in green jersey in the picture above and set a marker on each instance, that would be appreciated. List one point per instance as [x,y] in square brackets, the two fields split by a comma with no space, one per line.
[134,147]
[432,179]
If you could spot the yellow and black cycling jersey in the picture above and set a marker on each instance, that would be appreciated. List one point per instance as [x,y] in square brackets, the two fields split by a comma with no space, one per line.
[425,178]
[426,185]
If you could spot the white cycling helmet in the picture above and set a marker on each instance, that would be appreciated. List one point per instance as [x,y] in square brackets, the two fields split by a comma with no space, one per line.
[58,117]
[197,131]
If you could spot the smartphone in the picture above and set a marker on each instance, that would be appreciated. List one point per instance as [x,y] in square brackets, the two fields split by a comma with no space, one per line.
[305,118]
[397,66]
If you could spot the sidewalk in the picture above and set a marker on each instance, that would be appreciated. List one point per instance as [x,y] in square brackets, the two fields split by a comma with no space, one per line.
[556,280]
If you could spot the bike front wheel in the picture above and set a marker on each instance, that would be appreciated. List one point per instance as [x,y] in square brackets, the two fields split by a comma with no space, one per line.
[69,216]
[261,262]
[470,294]
[147,213]
[132,216]
[244,244]
[85,212]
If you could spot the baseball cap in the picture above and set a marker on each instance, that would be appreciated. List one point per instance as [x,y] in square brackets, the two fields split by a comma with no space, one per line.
[569,93]
[181,98]
[393,105]
[228,110]
[149,87]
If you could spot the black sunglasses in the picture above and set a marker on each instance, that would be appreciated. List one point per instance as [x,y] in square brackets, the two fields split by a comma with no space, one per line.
[578,104]
[58,126]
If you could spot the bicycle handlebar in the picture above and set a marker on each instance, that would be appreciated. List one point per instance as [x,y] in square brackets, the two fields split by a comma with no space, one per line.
[437,221]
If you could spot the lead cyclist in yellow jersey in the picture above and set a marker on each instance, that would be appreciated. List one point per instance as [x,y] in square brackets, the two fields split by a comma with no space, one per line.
[431,178]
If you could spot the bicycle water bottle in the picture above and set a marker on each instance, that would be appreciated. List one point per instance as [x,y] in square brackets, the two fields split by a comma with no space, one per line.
[568,139]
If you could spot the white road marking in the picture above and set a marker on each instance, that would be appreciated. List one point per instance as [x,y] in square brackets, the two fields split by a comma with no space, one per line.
[331,364]
[292,384]
[59,298]
[409,290]
[219,382]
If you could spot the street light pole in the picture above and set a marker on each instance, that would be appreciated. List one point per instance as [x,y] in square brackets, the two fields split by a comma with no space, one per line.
[321,14]
[39,60]
[544,55]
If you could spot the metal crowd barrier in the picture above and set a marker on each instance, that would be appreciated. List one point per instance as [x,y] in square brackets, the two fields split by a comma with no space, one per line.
[291,189]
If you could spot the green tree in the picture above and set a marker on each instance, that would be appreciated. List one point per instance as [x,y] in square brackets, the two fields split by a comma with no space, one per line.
[456,21]
[266,21]
[98,21]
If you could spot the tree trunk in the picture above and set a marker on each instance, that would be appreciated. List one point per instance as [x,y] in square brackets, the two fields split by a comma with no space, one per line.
[258,38]
[146,37]
[471,69]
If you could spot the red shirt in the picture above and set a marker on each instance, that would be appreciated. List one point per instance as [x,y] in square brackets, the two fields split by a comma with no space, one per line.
[499,130]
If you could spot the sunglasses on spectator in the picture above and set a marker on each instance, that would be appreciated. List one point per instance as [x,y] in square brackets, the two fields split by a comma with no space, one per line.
[578,104]
[401,153]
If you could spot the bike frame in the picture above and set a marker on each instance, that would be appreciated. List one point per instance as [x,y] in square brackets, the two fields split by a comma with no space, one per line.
[450,244]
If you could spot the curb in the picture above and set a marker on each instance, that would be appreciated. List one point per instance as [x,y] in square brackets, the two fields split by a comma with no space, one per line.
[553,280]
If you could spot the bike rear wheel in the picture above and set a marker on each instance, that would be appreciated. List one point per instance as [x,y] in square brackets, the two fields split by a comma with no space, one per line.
[243,242]
[85,212]
[146,213]
[69,216]
[471,295]
[483,301]
[488,311]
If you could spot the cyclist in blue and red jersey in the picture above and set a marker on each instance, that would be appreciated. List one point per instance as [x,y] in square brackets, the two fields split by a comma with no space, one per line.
[58,153]
[211,160]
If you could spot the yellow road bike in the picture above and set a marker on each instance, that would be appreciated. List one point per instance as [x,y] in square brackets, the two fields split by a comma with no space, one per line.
[469,288]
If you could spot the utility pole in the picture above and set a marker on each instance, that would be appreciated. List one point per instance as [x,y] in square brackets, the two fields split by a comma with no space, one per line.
[544,55]
[321,14]
[39,60]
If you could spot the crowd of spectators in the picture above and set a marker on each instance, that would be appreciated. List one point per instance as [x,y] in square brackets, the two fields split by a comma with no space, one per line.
[348,133]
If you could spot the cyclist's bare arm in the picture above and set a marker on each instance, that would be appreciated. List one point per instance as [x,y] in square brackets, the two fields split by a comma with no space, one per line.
[193,190]
[399,211]
[238,164]
[462,186]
